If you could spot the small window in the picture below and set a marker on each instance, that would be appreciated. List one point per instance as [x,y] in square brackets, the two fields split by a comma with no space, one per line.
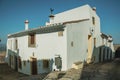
[89,36]
[31,40]
[45,64]
[16,44]
[60,33]
[72,44]
[94,41]
[93,20]
[24,62]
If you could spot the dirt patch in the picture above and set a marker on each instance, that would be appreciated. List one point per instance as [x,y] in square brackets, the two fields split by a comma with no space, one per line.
[114,73]
[6,73]
[102,71]
[99,71]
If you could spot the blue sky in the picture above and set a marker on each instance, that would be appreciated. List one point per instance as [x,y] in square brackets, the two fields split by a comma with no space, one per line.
[13,13]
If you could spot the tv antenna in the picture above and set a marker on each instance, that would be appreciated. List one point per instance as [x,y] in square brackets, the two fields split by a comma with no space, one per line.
[51,10]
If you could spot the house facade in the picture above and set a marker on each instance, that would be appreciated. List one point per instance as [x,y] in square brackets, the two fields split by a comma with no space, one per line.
[68,37]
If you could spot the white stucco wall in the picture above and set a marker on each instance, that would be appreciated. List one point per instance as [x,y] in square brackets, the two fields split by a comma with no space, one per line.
[48,45]
[78,34]
[97,21]
[78,13]
[11,51]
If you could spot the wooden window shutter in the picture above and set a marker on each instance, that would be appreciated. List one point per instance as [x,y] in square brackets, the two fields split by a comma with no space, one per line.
[32,38]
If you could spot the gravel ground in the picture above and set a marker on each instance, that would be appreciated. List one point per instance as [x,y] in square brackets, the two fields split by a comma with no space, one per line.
[100,71]
[6,73]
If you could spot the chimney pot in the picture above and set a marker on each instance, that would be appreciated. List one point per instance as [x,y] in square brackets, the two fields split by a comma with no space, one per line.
[94,9]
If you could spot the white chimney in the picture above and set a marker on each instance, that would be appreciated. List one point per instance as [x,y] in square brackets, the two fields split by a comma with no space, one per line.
[51,17]
[26,24]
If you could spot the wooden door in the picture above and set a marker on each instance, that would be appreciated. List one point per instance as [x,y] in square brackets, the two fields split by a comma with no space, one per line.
[33,66]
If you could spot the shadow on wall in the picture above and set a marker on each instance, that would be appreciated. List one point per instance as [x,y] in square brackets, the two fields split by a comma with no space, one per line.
[117,53]
[102,54]
[31,66]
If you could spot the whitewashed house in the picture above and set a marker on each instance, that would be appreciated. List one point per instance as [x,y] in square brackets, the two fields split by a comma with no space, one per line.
[69,37]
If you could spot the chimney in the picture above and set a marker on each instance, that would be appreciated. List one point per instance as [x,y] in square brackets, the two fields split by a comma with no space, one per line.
[51,17]
[94,9]
[26,24]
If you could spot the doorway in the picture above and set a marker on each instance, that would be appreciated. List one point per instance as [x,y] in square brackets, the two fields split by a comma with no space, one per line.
[104,52]
[10,60]
[111,55]
[89,49]
[33,66]
[107,54]
[100,50]
[16,63]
